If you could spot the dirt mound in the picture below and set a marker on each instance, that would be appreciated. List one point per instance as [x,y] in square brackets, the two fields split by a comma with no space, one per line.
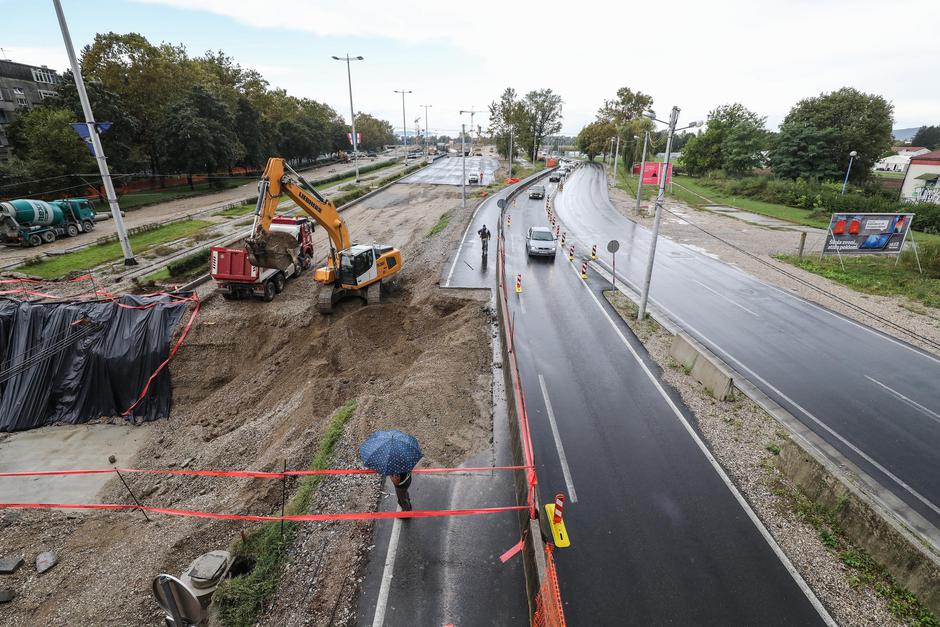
[253,387]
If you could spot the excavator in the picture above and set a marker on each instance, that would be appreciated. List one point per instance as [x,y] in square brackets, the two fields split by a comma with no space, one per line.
[351,269]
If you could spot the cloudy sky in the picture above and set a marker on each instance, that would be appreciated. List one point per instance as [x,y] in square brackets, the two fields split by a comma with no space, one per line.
[766,54]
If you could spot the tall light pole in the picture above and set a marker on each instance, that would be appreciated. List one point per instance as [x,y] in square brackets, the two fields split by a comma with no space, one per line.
[352,111]
[510,152]
[660,198]
[616,157]
[852,156]
[404,125]
[463,158]
[95,140]
[639,185]
[426,132]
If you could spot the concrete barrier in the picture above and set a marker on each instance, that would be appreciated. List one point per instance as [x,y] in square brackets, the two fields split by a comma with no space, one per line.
[702,366]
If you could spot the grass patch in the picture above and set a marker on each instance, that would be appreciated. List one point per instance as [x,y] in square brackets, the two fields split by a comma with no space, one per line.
[241,599]
[235,212]
[875,275]
[864,571]
[135,200]
[442,223]
[99,254]
[628,310]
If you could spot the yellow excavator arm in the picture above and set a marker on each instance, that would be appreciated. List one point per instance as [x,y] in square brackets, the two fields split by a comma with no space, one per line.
[276,250]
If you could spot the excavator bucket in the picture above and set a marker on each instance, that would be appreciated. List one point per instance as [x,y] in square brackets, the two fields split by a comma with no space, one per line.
[274,249]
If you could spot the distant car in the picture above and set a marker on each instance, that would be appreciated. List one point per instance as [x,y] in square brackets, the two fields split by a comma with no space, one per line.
[554,177]
[539,240]
[414,155]
[372,154]
[537,191]
[473,179]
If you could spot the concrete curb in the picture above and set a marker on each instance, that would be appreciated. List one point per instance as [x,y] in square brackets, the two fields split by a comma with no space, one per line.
[702,366]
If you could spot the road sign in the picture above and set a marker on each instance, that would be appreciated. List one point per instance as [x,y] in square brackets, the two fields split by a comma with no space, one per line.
[501,203]
[613,246]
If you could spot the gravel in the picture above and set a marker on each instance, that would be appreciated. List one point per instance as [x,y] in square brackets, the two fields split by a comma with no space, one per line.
[764,242]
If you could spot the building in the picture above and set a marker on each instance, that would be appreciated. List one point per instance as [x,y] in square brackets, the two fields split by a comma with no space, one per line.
[921,179]
[910,151]
[898,161]
[21,87]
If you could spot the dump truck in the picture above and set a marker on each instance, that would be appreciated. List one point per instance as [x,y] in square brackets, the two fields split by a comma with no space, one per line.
[28,222]
[237,277]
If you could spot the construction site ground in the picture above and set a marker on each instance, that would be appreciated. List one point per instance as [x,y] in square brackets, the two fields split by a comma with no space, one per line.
[254,385]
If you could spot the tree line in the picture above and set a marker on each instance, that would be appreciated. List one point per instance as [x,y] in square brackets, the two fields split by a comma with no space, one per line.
[815,141]
[529,119]
[172,113]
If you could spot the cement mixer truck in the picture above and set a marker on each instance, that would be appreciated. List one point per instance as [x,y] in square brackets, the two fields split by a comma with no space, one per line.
[26,222]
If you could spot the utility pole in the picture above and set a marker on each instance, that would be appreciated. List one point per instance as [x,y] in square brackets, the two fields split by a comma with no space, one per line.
[95,140]
[660,199]
[404,125]
[510,152]
[852,156]
[426,131]
[616,157]
[463,157]
[352,111]
[639,185]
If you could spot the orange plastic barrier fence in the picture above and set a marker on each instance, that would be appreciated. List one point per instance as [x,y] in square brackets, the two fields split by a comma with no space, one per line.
[548,608]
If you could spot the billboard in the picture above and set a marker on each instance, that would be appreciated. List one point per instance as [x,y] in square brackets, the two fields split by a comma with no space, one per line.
[652,172]
[867,233]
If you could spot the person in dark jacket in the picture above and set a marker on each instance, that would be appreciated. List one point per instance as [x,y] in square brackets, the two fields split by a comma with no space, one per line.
[402,482]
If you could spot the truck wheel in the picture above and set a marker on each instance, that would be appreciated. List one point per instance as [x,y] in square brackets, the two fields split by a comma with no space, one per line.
[374,294]
[71,230]
[229,296]
[48,237]
[279,282]
[34,240]
[88,226]
[269,291]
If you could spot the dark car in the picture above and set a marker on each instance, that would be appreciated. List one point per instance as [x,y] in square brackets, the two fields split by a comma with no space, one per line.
[554,177]
[537,191]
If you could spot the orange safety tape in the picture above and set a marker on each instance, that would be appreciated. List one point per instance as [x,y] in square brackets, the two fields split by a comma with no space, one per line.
[245,473]
[433,513]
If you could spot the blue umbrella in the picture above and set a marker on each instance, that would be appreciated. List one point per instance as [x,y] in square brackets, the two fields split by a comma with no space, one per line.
[390,452]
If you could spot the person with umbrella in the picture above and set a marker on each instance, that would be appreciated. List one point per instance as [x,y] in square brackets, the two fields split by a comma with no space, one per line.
[393,454]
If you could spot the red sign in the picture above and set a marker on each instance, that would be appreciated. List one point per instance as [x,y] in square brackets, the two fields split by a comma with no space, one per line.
[652,172]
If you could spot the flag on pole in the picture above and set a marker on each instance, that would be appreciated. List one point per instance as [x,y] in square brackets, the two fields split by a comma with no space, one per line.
[358,138]
[82,129]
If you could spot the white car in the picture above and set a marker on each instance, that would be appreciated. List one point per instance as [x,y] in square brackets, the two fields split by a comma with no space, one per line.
[539,240]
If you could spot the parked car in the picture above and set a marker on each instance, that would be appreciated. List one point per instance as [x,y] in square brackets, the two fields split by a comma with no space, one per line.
[539,240]
[554,177]
[473,179]
[372,154]
[537,191]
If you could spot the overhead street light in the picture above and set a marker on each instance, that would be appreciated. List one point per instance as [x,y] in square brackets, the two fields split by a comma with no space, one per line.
[404,125]
[660,199]
[463,154]
[639,185]
[426,131]
[852,156]
[352,111]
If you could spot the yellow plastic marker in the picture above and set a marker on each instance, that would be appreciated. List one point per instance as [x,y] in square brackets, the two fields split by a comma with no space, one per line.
[559,533]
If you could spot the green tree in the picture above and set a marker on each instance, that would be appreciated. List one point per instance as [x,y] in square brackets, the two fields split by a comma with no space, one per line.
[46,146]
[595,138]
[508,115]
[862,122]
[628,105]
[376,133]
[928,137]
[732,142]
[803,151]
[543,115]
[198,136]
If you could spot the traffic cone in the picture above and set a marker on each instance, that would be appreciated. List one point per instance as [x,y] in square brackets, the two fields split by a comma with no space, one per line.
[559,513]
[557,230]
[571,253]
[508,220]
[583,269]
[518,284]
[563,239]
[594,251]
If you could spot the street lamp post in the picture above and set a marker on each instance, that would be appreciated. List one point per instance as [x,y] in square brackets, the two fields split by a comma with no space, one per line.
[510,152]
[848,171]
[616,156]
[426,132]
[639,185]
[660,199]
[404,125]
[352,111]
[129,259]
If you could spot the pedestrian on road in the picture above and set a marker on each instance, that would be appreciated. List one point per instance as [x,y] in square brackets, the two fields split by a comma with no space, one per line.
[402,482]
[484,234]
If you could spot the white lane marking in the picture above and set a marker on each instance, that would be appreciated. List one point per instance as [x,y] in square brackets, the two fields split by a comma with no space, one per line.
[565,470]
[720,295]
[911,402]
[718,469]
[381,603]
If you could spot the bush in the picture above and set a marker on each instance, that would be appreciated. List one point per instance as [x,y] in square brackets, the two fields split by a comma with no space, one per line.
[181,267]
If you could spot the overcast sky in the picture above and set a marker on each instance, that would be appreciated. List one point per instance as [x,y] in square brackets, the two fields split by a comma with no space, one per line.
[460,55]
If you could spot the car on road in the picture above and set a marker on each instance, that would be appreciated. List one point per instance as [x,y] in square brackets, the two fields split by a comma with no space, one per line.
[539,240]
[537,191]
[372,154]
[554,177]
[473,179]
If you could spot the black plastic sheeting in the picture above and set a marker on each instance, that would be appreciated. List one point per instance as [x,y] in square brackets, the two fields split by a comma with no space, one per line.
[71,362]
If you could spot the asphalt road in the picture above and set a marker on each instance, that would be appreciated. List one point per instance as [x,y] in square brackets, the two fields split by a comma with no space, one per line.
[449,171]
[659,535]
[873,398]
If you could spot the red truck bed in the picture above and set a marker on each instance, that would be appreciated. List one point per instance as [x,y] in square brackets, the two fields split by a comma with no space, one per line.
[231,264]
